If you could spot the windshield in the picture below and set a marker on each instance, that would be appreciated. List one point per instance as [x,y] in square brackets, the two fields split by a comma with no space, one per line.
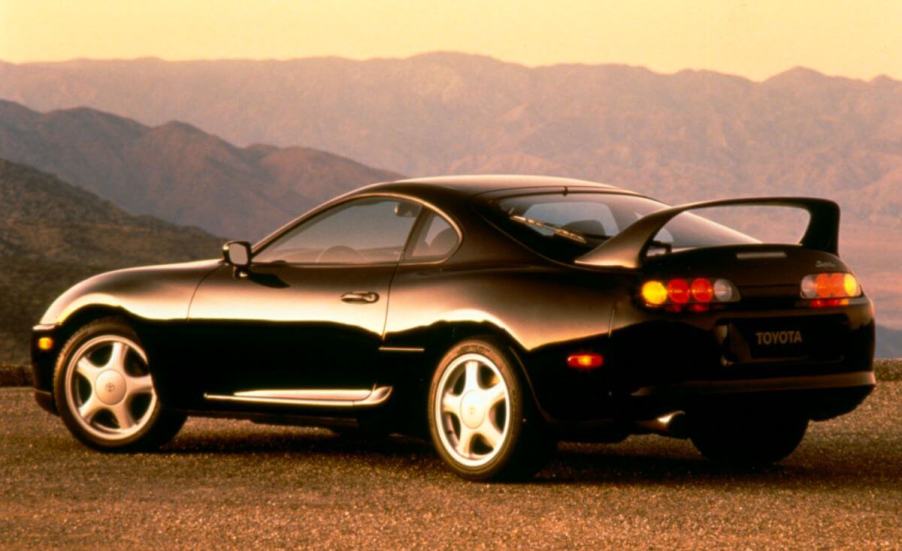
[567,226]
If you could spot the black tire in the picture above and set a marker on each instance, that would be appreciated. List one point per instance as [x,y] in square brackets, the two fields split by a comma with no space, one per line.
[156,425]
[746,439]
[524,447]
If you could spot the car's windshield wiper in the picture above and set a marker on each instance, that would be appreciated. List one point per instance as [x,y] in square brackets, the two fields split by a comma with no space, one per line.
[556,230]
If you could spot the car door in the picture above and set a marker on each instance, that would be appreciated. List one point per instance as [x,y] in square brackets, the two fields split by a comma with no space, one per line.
[309,312]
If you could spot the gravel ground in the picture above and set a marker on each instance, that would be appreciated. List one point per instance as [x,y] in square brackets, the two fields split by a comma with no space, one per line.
[229,484]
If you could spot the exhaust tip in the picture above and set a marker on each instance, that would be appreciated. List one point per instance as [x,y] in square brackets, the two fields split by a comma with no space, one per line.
[673,424]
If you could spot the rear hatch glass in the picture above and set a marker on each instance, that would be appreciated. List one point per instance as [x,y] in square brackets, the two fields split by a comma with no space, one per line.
[565,226]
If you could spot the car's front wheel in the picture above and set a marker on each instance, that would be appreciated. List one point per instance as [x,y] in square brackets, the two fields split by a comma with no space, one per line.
[481,415]
[746,438]
[104,391]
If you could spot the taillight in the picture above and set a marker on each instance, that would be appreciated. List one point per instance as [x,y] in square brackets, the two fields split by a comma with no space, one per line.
[678,291]
[695,294]
[702,290]
[654,293]
[830,289]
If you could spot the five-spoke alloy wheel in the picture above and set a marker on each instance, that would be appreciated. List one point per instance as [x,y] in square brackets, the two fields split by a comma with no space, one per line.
[474,410]
[104,391]
[481,417]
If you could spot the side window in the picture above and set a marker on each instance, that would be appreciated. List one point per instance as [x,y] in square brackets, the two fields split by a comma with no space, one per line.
[436,239]
[364,231]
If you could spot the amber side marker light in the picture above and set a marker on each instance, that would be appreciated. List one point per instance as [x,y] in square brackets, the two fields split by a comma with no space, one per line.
[585,361]
[45,344]
[830,289]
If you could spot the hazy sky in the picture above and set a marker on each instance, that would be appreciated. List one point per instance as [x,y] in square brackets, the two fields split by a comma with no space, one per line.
[755,38]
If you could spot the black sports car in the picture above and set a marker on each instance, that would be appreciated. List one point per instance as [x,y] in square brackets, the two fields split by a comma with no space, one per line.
[499,314]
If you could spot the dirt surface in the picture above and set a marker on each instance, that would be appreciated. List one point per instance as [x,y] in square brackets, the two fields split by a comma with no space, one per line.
[229,484]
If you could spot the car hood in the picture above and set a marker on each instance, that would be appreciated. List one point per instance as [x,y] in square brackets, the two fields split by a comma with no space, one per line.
[160,292]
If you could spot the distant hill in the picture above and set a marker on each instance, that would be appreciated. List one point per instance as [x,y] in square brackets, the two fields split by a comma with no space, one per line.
[688,135]
[177,172]
[53,234]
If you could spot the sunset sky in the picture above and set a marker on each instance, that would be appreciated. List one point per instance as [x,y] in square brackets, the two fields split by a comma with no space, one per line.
[754,38]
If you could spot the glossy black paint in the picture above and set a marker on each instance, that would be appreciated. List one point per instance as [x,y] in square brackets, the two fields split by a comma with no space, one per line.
[214,328]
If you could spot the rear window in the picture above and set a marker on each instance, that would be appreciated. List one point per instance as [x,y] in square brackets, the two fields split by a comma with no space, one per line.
[567,226]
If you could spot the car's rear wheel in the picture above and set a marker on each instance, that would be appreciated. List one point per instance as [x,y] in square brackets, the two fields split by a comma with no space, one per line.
[481,416]
[747,438]
[104,391]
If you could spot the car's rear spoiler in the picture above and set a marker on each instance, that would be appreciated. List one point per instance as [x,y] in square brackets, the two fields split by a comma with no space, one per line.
[627,249]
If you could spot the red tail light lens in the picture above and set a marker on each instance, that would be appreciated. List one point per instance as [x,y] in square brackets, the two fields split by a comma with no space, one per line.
[696,294]
[824,286]
[702,290]
[678,291]
[829,302]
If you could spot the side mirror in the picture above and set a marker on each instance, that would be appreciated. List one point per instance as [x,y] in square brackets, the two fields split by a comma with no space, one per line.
[237,253]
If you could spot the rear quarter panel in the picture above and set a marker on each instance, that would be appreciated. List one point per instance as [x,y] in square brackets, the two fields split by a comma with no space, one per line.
[544,314]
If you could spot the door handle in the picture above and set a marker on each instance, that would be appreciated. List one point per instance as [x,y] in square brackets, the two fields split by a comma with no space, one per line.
[360,297]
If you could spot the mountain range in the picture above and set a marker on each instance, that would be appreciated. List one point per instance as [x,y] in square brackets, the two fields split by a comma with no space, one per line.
[688,135]
[177,172]
[53,234]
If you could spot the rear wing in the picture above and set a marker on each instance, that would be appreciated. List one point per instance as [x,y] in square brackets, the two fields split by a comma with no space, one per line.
[627,249]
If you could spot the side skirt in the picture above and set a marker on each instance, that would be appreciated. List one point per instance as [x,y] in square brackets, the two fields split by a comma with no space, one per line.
[319,397]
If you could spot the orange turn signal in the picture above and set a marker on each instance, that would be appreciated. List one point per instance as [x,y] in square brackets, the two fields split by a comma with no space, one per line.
[585,361]
[654,293]
[45,343]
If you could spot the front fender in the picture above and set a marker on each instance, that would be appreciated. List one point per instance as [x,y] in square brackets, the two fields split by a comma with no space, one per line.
[157,293]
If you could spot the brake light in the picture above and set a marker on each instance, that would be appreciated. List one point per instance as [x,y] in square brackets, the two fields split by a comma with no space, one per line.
[702,289]
[678,291]
[824,287]
[695,294]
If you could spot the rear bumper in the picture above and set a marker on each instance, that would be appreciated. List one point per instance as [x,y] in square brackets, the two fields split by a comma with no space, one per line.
[817,396]
[657,362]
[690,389]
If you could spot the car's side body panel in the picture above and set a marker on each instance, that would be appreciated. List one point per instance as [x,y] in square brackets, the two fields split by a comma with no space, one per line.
[543,313]
[277,327]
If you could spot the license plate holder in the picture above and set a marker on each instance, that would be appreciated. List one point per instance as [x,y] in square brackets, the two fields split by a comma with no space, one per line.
[757,340]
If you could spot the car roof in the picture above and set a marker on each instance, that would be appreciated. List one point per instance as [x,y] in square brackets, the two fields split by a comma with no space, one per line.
[475,184]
